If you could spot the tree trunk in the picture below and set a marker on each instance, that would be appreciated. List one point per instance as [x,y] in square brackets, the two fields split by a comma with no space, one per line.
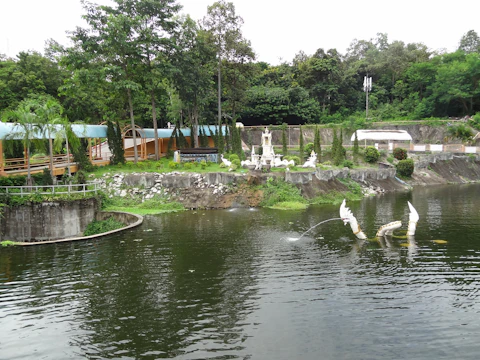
[155,126]
[132,121]
[195,126]
[68,155]
[29,173]
[219,91]
[50,150]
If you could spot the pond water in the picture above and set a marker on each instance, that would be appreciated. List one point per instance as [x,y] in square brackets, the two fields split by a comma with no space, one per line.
[230,285]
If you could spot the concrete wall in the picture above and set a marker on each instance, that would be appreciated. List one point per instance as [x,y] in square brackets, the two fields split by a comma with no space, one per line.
[327,175]
[48,220]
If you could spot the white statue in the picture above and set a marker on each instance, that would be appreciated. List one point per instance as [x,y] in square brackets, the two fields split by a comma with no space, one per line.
[385,230]
[280,163]
[227,162]
[255,160]
[348,218]
[311,161]
[268,157]
[412,220]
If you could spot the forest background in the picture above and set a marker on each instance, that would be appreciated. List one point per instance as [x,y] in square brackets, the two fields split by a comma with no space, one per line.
[140,62]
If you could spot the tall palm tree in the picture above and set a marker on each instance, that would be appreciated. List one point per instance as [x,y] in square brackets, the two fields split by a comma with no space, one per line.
[49,113]
[26,129]
[65,132]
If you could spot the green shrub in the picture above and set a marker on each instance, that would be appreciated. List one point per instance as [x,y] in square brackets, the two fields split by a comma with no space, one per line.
[400,154]
[188,166]
[308,149]
[233,157]
[371,155]
[203,164]
[37,178]
[99,227]
[236,162]
[347,163]
[7,243]
[461,132]
[80,177]
[295,159]
[18,180]
[173,165]
[47,178]
[278,191]
[390,159]
[405,168]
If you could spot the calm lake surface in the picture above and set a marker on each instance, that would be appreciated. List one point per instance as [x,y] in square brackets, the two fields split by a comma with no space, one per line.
[230,284]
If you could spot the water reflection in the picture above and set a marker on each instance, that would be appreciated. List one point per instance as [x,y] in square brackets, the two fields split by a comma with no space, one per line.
[228,284]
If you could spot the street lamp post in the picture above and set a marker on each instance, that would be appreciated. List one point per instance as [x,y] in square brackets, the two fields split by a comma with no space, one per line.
[367,86]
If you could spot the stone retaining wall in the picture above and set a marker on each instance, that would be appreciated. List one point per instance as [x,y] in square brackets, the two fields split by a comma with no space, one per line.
[47,221]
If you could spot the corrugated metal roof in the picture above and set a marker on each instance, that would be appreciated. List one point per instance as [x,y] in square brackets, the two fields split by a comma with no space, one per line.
[14,132]
[166,133]
[379,135]
[11,131]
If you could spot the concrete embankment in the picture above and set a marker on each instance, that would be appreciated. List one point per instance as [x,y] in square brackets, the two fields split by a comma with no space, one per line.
[225,190]
[57,221]
[446,168]
[47,220]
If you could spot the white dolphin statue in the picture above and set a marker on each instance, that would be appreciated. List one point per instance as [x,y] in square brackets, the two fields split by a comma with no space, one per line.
[412,220]
[384,230]
[348,218]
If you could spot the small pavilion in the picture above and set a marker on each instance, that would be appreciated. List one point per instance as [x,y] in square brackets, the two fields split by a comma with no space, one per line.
[391,137]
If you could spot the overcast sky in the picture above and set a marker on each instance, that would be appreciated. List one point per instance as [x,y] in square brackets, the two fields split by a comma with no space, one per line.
[278,29]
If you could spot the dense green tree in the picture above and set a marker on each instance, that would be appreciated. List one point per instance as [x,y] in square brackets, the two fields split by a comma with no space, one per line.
[111,41]
[457,83]
[320,74]
[316,142]
[284,139]
[224,25]
[115,143]
[339,154]
[30,73]
[470,42]
[193,66]
[154,26]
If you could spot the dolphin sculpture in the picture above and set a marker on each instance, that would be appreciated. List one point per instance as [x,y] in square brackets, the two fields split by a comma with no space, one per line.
[412,220]
[348,218]
[385,230]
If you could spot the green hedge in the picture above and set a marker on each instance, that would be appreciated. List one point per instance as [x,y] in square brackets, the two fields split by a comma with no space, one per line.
[371,154]
[405,168]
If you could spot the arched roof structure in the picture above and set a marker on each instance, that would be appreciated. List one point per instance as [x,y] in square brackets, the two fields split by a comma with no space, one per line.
[382,135]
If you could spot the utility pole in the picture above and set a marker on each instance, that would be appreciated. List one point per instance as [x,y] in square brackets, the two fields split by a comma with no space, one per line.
[367,86]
